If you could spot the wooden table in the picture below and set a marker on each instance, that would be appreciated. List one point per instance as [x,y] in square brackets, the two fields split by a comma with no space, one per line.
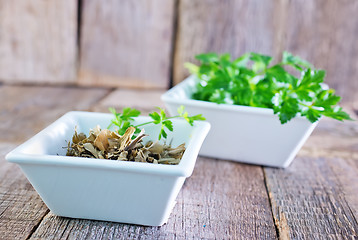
[315,198]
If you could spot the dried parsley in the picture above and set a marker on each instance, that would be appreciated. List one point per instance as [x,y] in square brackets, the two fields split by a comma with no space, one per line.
[124,145]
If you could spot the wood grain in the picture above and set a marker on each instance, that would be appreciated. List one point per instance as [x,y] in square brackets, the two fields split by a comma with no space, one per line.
[320,31]
[38,41]
[323,32]
[23,112]
[314,199]
[227,204]
[144,100]
[26,110]
[21,209]
[332,138]
[223,26]
[126,43]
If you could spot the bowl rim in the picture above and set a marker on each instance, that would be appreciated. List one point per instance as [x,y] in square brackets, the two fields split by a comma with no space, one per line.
[184,168]
[192,79]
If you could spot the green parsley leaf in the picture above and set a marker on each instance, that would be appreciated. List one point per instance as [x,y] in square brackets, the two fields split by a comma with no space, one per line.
[192,68]
[260,62]
[295,61]
[181,110]
[241,62]
[162,134]
[156,117]
[129,113]
[168,124]
[312,114]
[207,57]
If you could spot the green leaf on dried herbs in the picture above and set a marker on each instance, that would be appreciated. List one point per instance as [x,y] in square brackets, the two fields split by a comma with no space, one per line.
[125,120]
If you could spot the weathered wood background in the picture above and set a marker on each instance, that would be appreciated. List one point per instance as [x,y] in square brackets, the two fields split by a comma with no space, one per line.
[144,43]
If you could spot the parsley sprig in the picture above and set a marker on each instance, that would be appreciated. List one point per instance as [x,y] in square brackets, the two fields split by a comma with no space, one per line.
[125,120]
[251,80]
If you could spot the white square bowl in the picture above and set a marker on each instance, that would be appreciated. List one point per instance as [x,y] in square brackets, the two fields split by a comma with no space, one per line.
[128,192]
[241,133]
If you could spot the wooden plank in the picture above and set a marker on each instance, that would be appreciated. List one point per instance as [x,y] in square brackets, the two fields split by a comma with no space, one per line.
[126,43]
[144,100]
[226,200]
[21,209]
[228,204]
[315,198]
[26,110]
[320,32]
[223,26]
[38,41]
[316,30]
[333,138]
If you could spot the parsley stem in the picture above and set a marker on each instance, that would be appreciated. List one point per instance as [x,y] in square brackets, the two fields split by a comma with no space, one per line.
[146,123]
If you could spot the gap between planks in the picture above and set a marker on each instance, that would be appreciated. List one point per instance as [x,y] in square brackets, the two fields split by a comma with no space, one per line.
[270,202]
[314,198]
[38,224]
[23,209]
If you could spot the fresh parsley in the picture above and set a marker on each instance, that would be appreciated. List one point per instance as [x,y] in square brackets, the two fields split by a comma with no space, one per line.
[125,120]
[291,87]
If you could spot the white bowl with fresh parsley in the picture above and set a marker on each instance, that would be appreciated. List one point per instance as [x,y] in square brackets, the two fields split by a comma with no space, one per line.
[260,113]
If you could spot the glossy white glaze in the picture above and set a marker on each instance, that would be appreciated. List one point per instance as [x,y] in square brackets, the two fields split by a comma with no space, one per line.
[241,133]
[129,192]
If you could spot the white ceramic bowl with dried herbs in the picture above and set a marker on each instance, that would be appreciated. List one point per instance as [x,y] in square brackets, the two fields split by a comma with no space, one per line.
[120,191]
